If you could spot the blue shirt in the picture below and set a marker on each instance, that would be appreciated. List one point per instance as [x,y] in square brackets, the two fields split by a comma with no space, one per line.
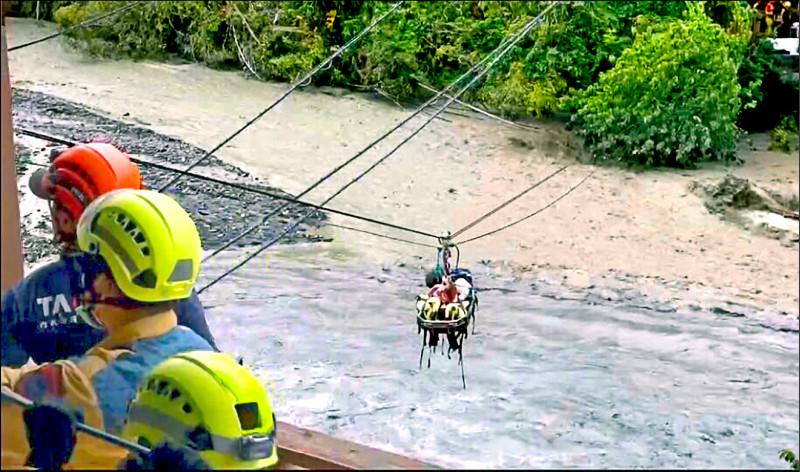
[39,318]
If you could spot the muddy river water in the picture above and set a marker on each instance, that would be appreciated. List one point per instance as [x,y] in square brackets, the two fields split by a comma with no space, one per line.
[551,382]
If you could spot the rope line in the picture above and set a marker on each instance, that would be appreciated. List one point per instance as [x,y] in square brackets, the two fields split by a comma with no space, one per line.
[369,146]
[532,214]
[46,137]
[381,235]
[10,395]
[507,202]
[482,111]
[81,24]
[235,185]
[296,84]
[522,33]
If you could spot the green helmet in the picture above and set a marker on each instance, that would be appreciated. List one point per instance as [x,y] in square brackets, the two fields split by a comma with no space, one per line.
[207,401]
[147,240]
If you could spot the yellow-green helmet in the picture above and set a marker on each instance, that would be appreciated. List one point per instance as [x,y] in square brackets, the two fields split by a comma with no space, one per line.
[206,401]
[147,240]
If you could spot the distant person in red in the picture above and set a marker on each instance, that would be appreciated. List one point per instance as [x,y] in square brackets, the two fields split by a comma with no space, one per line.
[770,12]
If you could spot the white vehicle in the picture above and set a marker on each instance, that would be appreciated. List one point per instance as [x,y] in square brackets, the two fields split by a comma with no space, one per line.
[786,46]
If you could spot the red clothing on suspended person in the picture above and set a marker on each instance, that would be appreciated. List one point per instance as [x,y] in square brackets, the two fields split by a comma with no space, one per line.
[444,293]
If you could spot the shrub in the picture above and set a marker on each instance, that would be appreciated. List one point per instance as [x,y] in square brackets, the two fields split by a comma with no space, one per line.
[29,8]
[432,42]
[785,137]
[671,99]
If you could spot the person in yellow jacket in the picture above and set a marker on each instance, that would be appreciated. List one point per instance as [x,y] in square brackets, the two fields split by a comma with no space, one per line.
[144,253]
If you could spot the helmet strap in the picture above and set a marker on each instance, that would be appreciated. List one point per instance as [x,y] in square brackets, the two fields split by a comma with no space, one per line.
[91,267]
[86,310]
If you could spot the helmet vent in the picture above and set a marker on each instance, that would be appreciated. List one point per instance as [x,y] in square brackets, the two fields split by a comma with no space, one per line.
[146,279]
[175,394]
[151,385]
[248,415]
[114,244]
[139,238]
[145,251]
[93,226]
[187,408]
[182,271]
[162,387]
[121,219]
[130,226]
[88,179]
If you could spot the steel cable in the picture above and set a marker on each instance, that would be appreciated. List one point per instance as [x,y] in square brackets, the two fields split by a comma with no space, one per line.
[235,185]
[296,84]
[506,203]
[532,214]
[369,146]
[81,24]
[522,33]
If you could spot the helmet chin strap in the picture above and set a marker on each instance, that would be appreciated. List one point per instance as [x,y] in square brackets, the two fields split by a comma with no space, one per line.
[87,309]
[87,315]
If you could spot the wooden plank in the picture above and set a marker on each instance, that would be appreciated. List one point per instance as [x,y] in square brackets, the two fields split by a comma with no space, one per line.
[308,449]
[11,270]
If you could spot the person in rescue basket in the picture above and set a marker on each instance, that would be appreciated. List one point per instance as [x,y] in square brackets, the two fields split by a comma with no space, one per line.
[38,314]
[143,255]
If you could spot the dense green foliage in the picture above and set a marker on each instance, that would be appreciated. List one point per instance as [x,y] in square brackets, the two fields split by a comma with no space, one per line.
[672,98]
[558,68]
[785,137]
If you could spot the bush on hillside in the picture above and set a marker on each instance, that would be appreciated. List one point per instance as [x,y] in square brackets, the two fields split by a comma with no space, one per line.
[671,99]
[785,137]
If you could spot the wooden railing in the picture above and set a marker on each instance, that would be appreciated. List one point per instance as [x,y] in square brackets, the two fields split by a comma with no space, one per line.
[303,448]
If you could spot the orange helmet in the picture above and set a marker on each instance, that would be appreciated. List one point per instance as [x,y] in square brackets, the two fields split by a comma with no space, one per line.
[84,172]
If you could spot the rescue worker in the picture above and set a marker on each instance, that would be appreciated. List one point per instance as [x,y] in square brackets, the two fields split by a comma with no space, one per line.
[208,402]
[433,277]
[178,414]
[38,314]
[785,25]
[770,15]
[144,255]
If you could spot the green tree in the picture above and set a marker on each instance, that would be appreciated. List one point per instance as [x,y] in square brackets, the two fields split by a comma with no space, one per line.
[671,99]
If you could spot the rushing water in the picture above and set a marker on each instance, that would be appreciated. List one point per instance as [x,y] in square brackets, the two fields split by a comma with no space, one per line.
[550,383]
